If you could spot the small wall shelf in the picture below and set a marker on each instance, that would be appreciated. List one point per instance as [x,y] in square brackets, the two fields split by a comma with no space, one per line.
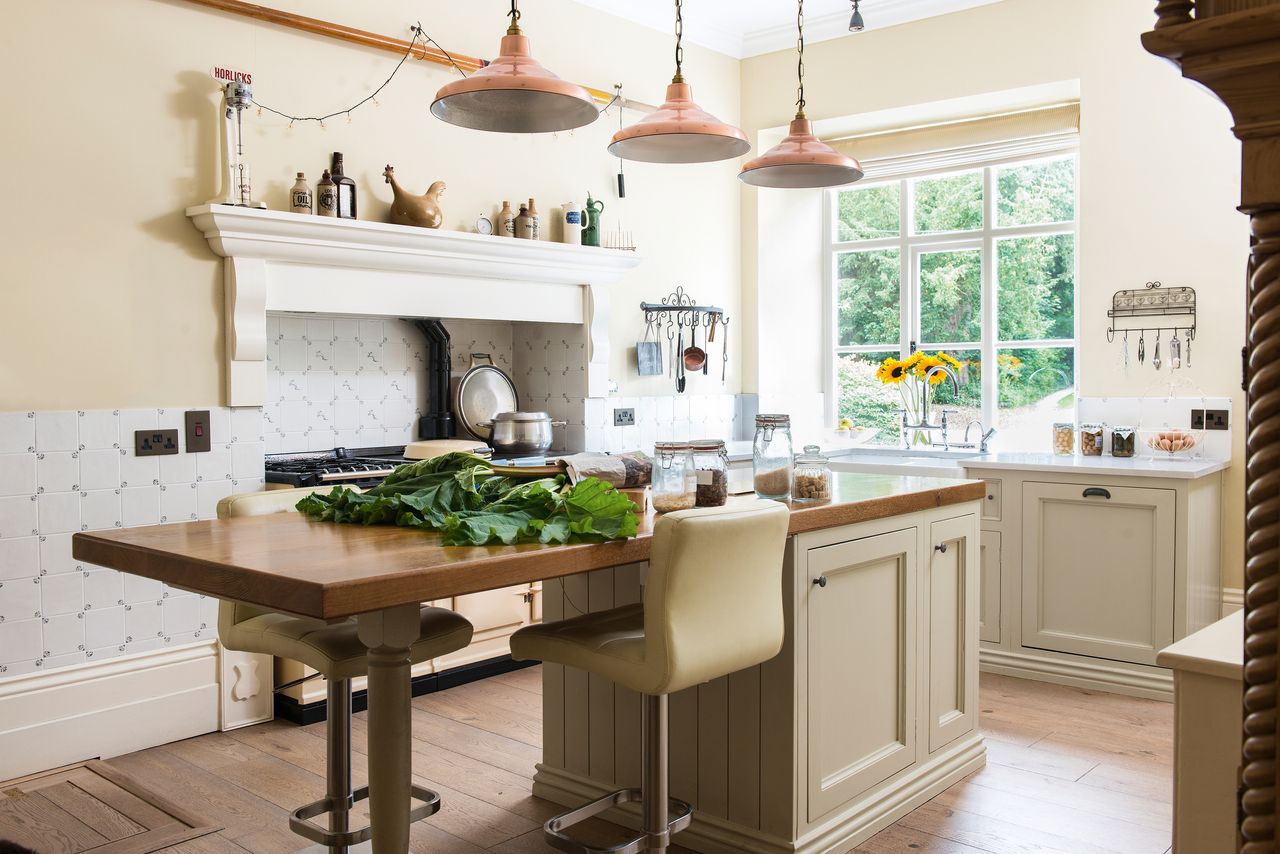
[1153,308]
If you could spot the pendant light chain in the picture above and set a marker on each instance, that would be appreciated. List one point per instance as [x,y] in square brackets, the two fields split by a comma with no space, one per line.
[514,14]
[800,61]
[679,78]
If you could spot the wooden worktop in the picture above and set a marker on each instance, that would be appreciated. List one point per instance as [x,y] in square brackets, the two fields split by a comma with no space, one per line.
[290,563]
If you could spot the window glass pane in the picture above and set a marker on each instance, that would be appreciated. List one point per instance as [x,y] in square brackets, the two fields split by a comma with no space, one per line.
[951,295]
[868,212]
[1034,193]
[1036,389]
[864,400]
[868,297]
[949,203]
[1036,279]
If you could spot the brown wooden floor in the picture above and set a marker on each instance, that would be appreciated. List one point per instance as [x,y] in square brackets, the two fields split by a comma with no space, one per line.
[1068,771]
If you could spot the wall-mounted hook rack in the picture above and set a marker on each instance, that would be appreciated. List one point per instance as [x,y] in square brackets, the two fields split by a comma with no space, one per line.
[680,310]
[1153,308]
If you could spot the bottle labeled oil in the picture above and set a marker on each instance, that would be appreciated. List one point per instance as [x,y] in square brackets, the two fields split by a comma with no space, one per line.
[300,199]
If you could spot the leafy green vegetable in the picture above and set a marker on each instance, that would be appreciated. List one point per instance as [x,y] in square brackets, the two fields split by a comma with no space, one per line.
[459,495]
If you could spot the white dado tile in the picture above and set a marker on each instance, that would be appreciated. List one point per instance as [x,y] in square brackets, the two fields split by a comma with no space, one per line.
[59,512]
[62,593]
[181,616]
[146,644]
[63,634]
[273,326]
[320,356]
[321,386]
[133,420]
[19,600]
[139,506]
[346,327]
[371,331]
[208,494]
[275,443]
[246,424]
[178,468]
[103,588]
[293,356]
[57,431]
[17,432]
[142,622]
[103,652]
[17,474]
[55,554]
[139,471]
[99,428]
[58,471]
[19,516]
[103,627]
[346,415]
[220,432]
[20,640]
[171,418]
[19,558]
[320,440]
[347,386]
[65,660]
[293,327]
[178,503]
[594,412]
[214,464]
[665,408]
[100,469]
[318,329]
[346,356]
[291,443]
[294,416]
[139,589]
[293,386]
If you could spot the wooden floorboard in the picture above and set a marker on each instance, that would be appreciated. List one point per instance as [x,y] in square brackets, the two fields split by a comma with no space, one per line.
[1068,770]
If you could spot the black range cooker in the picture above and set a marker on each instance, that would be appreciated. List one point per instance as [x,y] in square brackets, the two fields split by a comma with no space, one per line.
[362,467]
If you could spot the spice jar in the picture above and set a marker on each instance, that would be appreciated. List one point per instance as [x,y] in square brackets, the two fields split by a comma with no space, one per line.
[1123,441]
[812,476]
[1091,439]
[1064,438]
[711,469]
[771,456]
[674,482]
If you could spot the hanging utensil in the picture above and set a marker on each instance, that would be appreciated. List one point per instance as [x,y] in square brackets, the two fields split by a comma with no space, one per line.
[1142,346]
[648,354]
[671,348]
[695,358]
[724,348]
[1155,359]
[1124,348]
[679,351]
[715,318]
[1175,352]
[706,343]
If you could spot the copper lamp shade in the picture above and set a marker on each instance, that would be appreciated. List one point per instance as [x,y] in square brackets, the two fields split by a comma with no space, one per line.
[515,94]
[801,161]
[679,132]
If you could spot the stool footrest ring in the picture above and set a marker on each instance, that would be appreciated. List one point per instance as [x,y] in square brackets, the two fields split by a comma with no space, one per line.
[300,820]
[553,830]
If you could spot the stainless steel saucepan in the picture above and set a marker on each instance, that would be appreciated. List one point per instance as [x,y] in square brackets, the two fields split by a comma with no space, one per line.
[521,432]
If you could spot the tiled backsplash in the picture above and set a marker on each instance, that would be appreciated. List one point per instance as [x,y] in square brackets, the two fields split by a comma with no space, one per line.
[1158,413]
[62,472]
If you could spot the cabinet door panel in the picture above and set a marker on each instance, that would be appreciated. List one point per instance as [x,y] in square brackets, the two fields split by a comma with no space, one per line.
[989,610]
[1098,571]
[951,603]
[861,668]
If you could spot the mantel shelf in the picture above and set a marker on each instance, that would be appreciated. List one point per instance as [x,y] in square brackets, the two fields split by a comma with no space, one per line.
[277,261]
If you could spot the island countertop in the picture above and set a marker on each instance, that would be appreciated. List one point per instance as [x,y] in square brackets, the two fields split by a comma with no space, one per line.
[289,563]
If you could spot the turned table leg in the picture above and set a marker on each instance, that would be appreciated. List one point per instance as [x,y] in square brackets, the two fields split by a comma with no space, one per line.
[388,635]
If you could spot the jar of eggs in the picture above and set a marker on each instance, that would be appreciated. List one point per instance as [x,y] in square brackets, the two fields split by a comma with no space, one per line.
[1064,438]
[1091,440]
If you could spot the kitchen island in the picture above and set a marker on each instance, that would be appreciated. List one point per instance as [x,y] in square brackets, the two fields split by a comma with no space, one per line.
[869,710]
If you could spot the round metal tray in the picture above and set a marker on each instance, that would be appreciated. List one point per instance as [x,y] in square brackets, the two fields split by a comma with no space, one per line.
[484,391]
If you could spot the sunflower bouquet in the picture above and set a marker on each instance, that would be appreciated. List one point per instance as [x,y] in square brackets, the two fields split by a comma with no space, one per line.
[911,376]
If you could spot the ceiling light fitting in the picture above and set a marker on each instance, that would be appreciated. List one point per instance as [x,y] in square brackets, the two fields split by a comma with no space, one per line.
[801,160]
[679,131]
[515,93]
[856,24]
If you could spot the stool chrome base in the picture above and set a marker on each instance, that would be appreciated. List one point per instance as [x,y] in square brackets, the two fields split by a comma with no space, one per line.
[301,824]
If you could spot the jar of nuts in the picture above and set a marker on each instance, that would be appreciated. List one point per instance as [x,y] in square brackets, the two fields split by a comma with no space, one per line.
[711,466]
[1123,441]
[1091,434]
[1064,438]
[812,479]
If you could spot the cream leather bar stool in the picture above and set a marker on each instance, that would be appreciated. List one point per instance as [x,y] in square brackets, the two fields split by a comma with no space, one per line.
[337,654]
[712,606]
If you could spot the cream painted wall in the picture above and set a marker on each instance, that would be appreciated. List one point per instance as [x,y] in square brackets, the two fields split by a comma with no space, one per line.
[1159,183]
[112,298]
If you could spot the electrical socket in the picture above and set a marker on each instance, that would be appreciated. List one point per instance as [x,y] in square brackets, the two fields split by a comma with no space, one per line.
[1217,419]
[155,443]
[1197,419]
[624,417]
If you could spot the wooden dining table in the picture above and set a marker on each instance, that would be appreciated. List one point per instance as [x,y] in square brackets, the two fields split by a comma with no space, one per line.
[379,575]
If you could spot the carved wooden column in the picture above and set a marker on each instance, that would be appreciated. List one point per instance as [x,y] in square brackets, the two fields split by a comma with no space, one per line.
[1233,48]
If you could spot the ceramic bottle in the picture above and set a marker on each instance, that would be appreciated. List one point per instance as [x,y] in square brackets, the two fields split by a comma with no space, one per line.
[326,196]
[524,224]
[507,221]
[571,220]
[535,222]
[300,200]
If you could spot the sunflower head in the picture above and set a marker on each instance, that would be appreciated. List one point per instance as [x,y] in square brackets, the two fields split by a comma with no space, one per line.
[950,360]
[891,371]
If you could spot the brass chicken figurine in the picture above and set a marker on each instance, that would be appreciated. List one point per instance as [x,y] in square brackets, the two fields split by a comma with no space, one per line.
[408,209]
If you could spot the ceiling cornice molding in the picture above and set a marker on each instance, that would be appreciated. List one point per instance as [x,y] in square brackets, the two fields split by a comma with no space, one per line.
[658,16]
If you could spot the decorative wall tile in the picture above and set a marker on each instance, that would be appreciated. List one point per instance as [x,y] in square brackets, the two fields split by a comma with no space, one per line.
[20,598]
[19,516]
[62,593]
[57,431]
[63,635]
[59,512]
[140,506]
[17,432]
[17,556]
[99,429]
[58,471]
[100,469]
[17,474]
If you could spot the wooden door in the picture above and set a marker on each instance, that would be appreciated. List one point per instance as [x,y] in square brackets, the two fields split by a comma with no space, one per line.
[1098,570]
[951,610]
[860,671]
[989,601]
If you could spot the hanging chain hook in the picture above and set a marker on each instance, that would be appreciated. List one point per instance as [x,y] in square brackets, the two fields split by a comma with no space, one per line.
[800,61]
[679,78]
[514,14]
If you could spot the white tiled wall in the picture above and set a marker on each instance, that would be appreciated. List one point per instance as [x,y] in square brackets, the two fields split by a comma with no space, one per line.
[1159,413]
[63,472]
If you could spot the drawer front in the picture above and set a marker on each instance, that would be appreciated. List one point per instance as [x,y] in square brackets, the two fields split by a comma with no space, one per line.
[991,506]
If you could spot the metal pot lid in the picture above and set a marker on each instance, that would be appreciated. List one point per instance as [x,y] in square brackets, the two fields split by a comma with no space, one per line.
[522,417]
[484,392]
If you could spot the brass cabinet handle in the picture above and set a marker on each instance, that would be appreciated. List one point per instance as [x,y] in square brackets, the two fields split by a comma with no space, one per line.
[821,581]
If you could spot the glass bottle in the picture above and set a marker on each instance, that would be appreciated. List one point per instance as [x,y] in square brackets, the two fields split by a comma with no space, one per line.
[524,227]
[326,196]
[812,476]
[535,222]
[675,485]
[1123,441]
[1064,438]
[300,196]
[772,456]
[711,466]
[507,221]
[1091,440]
[346,189]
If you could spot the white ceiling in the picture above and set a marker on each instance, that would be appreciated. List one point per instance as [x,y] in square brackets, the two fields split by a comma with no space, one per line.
[743,28]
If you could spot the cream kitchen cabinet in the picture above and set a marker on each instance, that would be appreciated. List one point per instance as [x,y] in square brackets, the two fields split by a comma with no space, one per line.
[989,597]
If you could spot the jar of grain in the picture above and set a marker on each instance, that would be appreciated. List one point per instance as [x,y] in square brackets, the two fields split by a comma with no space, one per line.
[812,480]
[1123,441]
[1064,438]
[772,456]
[675,485]
[1091,440]
[711,468]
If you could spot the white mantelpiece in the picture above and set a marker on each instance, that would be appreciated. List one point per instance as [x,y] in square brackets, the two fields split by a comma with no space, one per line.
[292,262]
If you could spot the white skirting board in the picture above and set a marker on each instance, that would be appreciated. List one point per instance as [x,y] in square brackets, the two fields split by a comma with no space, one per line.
[104,709]
[1232,600]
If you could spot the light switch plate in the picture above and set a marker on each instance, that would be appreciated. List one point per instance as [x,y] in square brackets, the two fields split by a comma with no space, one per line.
[197,430]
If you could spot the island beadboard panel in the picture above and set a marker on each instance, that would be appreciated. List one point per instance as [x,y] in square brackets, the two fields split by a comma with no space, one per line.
[68,471]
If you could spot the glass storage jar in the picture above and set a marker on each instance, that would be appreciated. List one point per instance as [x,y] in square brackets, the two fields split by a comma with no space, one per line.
[675,485]
[1091,440]
[772,455]
[1064,438]
[812,481]
[711,468]
[1124,440]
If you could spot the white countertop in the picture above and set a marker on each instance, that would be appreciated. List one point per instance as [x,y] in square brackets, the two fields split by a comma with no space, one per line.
[1215,650]
[1187,469]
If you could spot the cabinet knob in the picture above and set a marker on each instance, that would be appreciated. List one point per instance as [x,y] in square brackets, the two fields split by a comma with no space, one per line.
[940,547]
[821,581]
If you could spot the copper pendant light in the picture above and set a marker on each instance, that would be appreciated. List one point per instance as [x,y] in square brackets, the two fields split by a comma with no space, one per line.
[679,131]
[515,94]
[801,160]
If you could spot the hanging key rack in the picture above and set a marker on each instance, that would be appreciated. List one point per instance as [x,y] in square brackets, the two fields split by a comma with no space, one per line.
[1153,308]
[682,315]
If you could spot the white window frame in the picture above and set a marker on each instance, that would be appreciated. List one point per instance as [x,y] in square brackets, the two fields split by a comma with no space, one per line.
[901,171]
